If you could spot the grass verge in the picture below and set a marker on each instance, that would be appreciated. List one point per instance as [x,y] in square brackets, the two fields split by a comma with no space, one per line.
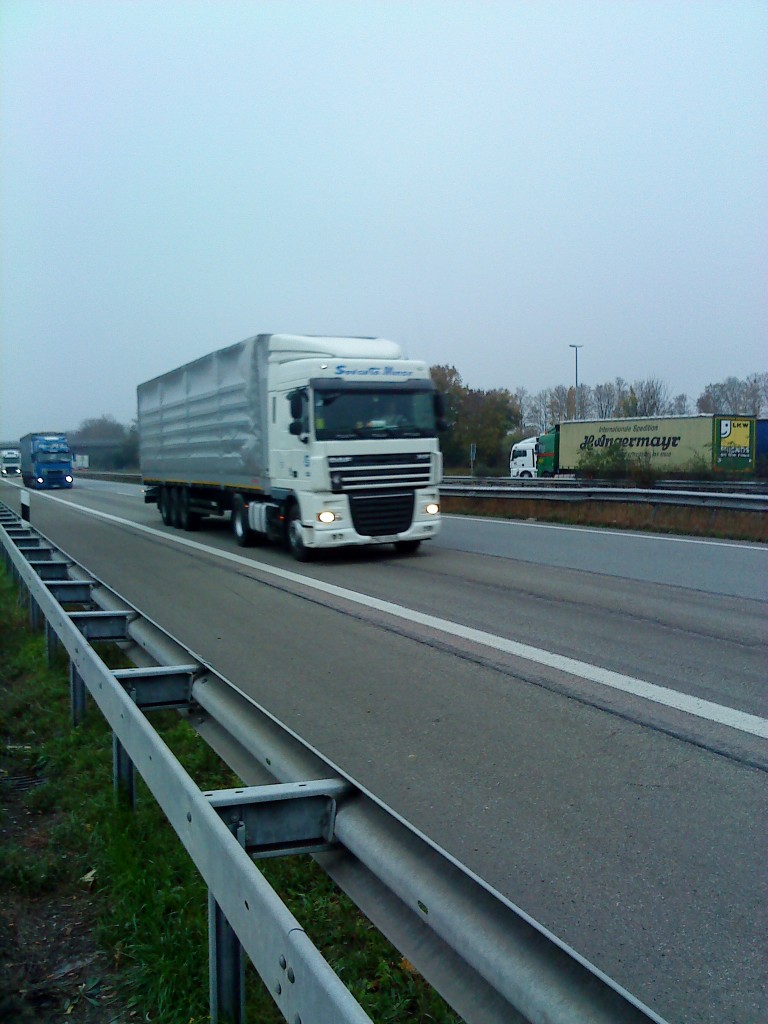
[723,523]
[104,920]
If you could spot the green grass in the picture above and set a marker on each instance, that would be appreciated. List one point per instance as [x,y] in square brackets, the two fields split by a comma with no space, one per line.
[152,904]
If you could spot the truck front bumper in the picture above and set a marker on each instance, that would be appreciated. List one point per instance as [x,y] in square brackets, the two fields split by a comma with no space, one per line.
[341,531]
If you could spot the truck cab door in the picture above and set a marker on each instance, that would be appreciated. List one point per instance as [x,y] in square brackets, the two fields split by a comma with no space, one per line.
[292,448]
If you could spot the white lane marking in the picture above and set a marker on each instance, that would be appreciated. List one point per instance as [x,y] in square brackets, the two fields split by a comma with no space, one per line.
[670,538]
[718,713]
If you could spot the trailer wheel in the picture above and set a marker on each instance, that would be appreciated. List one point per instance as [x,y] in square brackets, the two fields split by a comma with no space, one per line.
[175,506]
[188,520]
[295,537]
[164,504]
[239,521]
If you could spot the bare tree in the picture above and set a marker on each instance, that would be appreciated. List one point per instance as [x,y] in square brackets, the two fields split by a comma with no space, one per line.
[525,403]
[680,406]
[561,403]
[755,393]
[762,379]
[652,397]
[585,404]
[734,397]
[710,401]
[540,410]
[604,400]
[99,428]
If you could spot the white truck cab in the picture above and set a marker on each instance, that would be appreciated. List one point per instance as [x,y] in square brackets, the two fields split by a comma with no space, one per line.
[522,458]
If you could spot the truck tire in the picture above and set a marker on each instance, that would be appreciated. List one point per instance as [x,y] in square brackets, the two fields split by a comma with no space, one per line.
[295,538]
[164,505]
[244,535]
[175,507]
[188,519]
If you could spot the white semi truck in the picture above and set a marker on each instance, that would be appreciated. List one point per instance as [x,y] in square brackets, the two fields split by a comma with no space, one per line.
[10,462]
[312,442]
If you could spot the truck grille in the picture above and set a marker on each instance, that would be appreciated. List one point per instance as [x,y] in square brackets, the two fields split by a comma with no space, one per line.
[55,477]
[382,515]
[363,472]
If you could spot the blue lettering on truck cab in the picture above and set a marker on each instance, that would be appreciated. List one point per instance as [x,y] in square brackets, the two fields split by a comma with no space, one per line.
[342,370]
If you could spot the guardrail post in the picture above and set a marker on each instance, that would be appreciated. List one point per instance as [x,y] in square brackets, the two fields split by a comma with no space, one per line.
[22,593]
[77,694]
[35,616]
[226,967]
[52,643]
[123,773]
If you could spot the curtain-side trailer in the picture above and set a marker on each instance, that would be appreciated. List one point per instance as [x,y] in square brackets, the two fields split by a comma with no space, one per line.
[668,444]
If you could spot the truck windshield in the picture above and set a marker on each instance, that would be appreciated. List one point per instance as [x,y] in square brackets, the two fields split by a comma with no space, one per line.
[51,456]
[375,413]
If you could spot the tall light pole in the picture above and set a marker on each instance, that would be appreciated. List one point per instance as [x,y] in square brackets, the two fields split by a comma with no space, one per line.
[576,353]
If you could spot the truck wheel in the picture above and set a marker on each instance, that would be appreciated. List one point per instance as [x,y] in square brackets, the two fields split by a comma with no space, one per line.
[295,537]
[239,521]
[407,547]
[164,504]
[188,519]
[175,507]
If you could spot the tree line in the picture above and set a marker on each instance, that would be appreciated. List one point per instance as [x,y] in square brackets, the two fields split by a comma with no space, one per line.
[493,420]
[110,445]
[618,399]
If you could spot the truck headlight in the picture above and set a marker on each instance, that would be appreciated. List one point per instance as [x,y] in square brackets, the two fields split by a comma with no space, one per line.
[326,516]
[68,479]
[40,480]
[432,508]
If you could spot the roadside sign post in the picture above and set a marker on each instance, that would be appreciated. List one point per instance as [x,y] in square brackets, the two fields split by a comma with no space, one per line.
[25,506]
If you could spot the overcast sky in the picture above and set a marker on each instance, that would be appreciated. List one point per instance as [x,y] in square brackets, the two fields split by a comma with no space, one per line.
[486,183]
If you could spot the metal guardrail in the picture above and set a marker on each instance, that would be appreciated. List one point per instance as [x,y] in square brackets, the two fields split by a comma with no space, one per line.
[491,962]
[572,482]
[582,490]
[746,496]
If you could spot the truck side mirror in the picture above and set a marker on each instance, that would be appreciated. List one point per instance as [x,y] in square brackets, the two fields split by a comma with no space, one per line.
[296,406]
[298,426]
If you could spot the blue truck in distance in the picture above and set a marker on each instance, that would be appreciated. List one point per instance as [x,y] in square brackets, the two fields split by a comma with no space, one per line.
[46,460]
